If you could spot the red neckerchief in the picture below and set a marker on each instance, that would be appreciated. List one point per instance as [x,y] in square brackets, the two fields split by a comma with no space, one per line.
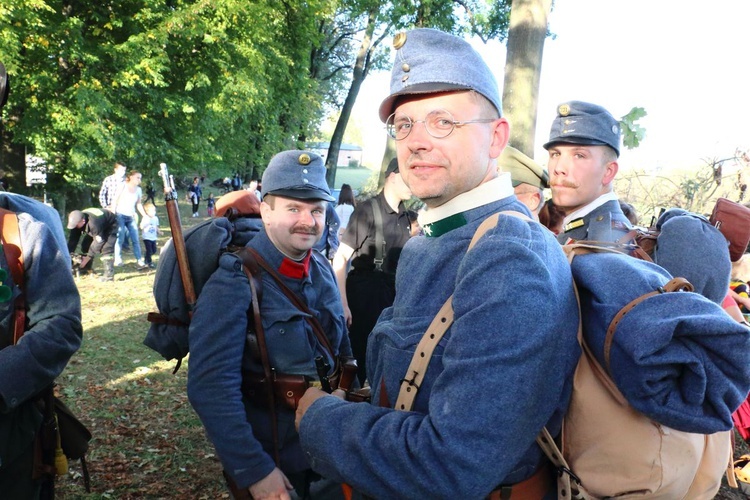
[295,270]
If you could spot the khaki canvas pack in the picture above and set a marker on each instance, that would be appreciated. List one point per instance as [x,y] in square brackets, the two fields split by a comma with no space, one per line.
[606,448]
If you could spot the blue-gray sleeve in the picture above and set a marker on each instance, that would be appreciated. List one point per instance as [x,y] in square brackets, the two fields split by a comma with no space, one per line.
[504,375]
[54,315]
[217,342]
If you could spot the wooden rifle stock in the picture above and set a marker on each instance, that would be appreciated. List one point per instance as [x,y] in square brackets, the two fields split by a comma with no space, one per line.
[178,240]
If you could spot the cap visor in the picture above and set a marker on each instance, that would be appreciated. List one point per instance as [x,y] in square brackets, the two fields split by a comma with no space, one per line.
[583,141]
[303,194]
[386,107]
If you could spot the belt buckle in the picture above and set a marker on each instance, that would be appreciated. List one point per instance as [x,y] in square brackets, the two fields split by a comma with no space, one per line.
[316,384]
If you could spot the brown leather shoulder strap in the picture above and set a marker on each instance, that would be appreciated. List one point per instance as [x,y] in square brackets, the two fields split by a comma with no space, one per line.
[252,271]
[253,258]
[674,285]
[11,241]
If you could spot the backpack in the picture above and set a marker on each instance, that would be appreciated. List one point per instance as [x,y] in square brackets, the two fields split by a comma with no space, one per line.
[61,435]
[205,243]
[618,438]
[686,245]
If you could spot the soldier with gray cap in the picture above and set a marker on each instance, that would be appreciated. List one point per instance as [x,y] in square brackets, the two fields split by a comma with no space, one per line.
[496,377]
[237,422]
[583,147]
[528,177]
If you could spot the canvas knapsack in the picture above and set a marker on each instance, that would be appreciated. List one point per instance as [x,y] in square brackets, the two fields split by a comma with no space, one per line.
[630,450]
[205,243]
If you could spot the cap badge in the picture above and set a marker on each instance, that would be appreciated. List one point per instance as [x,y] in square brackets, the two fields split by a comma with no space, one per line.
[399,40]
[304,159]
[564,110]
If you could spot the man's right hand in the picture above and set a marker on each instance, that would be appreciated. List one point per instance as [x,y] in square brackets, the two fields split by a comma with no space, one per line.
[274,486]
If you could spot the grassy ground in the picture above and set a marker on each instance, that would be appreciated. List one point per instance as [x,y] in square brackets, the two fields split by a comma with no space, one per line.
[148,442]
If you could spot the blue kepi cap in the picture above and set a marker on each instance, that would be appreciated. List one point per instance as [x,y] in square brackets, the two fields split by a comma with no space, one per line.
[584,123]
[296,174]
[429,61]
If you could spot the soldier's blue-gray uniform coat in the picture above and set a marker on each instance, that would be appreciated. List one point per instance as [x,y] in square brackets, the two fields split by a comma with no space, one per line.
[605,223]
[240,432]
[502,371]
[54,318]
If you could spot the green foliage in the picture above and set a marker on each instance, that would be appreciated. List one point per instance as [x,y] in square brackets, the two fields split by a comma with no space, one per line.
[202,85]
[632,133]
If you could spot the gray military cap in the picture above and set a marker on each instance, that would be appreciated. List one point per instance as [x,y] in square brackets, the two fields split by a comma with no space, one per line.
[429,61]
[523,169]
[584,123]
[296,174]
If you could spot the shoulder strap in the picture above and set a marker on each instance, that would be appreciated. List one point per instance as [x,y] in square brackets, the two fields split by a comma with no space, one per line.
[443,320]
[377,218]
[249,255]
[251,270]
[11,242]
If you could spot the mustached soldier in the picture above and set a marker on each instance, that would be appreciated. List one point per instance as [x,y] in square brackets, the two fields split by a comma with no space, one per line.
[583,146]
[295,195]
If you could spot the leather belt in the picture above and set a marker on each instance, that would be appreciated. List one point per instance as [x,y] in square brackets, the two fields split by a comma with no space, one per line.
[533,488]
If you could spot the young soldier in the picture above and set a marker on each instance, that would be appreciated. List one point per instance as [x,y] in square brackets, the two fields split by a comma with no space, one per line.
[503,370]
[583,147]
[295,195]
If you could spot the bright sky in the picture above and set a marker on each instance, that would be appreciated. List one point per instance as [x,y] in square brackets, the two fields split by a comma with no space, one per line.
[686,63]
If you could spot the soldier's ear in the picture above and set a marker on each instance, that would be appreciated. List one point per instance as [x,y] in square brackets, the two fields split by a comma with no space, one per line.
[500,135]
[610,172]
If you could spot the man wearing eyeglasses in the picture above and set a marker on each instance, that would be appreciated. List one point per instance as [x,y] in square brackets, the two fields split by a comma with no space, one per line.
[503,369]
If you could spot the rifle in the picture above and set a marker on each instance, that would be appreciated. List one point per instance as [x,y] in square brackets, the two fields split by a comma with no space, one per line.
[178,241]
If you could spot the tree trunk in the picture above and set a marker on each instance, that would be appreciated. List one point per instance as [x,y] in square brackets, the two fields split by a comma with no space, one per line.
[523,66]
[361,68]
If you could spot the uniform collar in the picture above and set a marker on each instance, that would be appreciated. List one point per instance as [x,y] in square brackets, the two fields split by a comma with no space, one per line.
[587,209]
[295,269]
[448,216]
[289,268]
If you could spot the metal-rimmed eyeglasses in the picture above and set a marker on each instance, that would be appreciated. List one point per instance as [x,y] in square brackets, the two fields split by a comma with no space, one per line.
[438,123]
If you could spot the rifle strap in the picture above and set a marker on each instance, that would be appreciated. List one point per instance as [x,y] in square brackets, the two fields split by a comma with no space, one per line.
[253,275]
[249,255]
[11,241]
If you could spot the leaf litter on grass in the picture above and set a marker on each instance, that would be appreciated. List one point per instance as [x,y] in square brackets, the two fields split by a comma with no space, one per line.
[147,441]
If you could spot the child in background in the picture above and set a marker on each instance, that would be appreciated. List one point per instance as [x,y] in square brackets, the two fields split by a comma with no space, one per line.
[150,228]
[210,204]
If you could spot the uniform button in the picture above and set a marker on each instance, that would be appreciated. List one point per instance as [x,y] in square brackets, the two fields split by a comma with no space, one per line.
[304,170]
[13,403]
[305,181]
[282,331]
[600,218]
[238,266]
